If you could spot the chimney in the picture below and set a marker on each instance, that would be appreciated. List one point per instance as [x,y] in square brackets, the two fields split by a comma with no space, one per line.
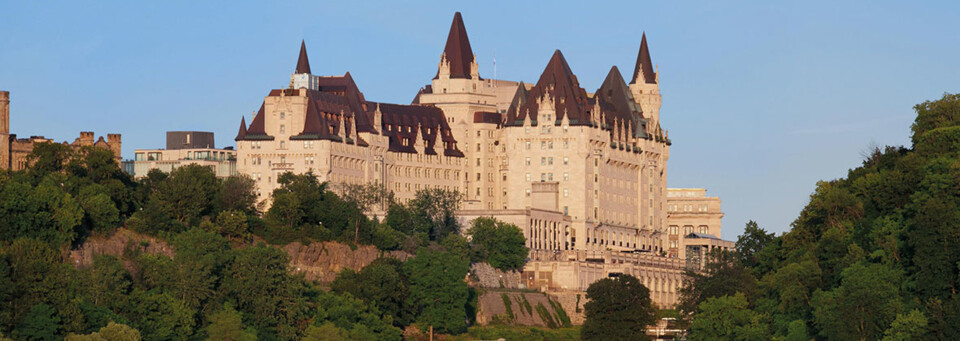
[4,112]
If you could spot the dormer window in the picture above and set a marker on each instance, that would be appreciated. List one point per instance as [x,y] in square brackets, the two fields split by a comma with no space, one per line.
[283,115]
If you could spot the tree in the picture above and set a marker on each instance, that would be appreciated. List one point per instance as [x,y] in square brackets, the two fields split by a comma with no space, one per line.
[727,318]
[326,332]
[906,327]
[438,292]
[434,211]
[188,193]
[232,224]
[160,316]
[619,309]
[864,305]
[107,283]
[359,320]
[266,294]
[381,284]
[366,197]
[227,325]
[722,275]
[41,323]
[501,244]
[751,242]
[111,332]
[238,193]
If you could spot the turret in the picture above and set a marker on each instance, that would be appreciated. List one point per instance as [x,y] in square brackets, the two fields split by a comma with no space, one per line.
[458,70]
[302,77]
[645,85]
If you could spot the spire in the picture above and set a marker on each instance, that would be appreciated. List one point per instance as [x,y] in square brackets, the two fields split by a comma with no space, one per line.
[457,51]
[644,65]
[557,81]
[243,129]
[303,64]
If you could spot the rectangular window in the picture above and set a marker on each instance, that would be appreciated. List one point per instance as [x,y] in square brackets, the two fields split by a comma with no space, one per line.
[550,161]
[528,161]
[550,176]
[528,145]
[528,177]
[283,129]
[566,176]
[543,161]
[566,160]
[566,192]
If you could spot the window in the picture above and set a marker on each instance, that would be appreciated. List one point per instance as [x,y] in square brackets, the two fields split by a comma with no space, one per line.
[566,176]
[283,129]
[283,145]
[550,161]
[566,160]
[528,177]
[550,145]
[565,129]
[528,192]
[543,177]
[528,145]
[527,161]
[566,144]
[283,115]
[543,145]
[566,192]
[526,130]
[550,176]
[543,161]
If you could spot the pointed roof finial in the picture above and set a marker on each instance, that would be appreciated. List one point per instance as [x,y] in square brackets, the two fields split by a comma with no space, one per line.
[303,64]
[644,64]
[243,129]
[457,51]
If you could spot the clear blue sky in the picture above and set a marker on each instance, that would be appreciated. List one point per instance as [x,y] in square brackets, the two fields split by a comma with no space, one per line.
[762,99]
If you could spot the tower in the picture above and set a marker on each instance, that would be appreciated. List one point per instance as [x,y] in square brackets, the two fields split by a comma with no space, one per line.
[645,85]
[302,77]
[4,130]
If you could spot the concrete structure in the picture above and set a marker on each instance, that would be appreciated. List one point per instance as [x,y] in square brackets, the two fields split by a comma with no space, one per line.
[189,148]
[582,174]
[690,210]
[189,140]
[14,151]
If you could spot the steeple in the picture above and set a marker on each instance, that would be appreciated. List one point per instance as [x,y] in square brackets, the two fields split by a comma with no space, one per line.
[457,51]
[644,72]
[303,64]
[243,129]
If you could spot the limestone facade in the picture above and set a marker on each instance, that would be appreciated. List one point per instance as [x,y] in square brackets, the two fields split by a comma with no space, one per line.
[582,174]
[14,151]
[690,210]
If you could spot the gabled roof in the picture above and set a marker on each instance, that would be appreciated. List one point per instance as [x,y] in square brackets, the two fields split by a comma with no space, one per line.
[616,101]
[243,129]
[303,64]
[644,65]
[413,121]
[557,81]
[457,51]
[256,131]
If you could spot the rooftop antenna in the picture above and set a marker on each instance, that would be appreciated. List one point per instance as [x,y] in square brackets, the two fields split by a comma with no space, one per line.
[494,68]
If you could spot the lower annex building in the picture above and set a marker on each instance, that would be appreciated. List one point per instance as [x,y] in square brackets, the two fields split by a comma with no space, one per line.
[583,174]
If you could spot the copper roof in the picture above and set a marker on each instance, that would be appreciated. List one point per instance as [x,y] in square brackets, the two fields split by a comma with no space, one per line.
[256,131]
[617,104]
[457,51]
[557,81]
[303,64]
[644,64]
[243,129]
[410,121]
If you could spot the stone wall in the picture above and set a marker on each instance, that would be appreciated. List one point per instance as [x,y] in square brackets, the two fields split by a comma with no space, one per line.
[485,276]
[525,309]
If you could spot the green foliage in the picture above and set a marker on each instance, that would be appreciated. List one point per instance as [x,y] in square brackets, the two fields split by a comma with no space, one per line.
[619,309]
[437,290]
[561,314]
[906,327]
[381,284]
[304,209]
[238,193]
[110,332]
[727,318]
[45,211]
[931,115]
[508,305]
[751,243]
[160,316]
[866,302]
[545,316]
[500,244]
[232,224]
[358,320]
[41,323]
[227,325]
[722,275]
[519,333]
[259,282]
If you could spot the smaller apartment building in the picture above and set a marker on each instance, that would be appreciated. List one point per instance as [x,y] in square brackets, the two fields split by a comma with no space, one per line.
[181,151]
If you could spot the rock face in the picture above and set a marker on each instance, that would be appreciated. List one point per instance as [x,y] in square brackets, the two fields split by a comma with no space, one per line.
[116,245]
[520,308]
[322,261]
[487,276]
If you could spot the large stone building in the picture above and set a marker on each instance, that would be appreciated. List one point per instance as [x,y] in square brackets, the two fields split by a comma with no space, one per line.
[583,174]
[14,151]
[184,148]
